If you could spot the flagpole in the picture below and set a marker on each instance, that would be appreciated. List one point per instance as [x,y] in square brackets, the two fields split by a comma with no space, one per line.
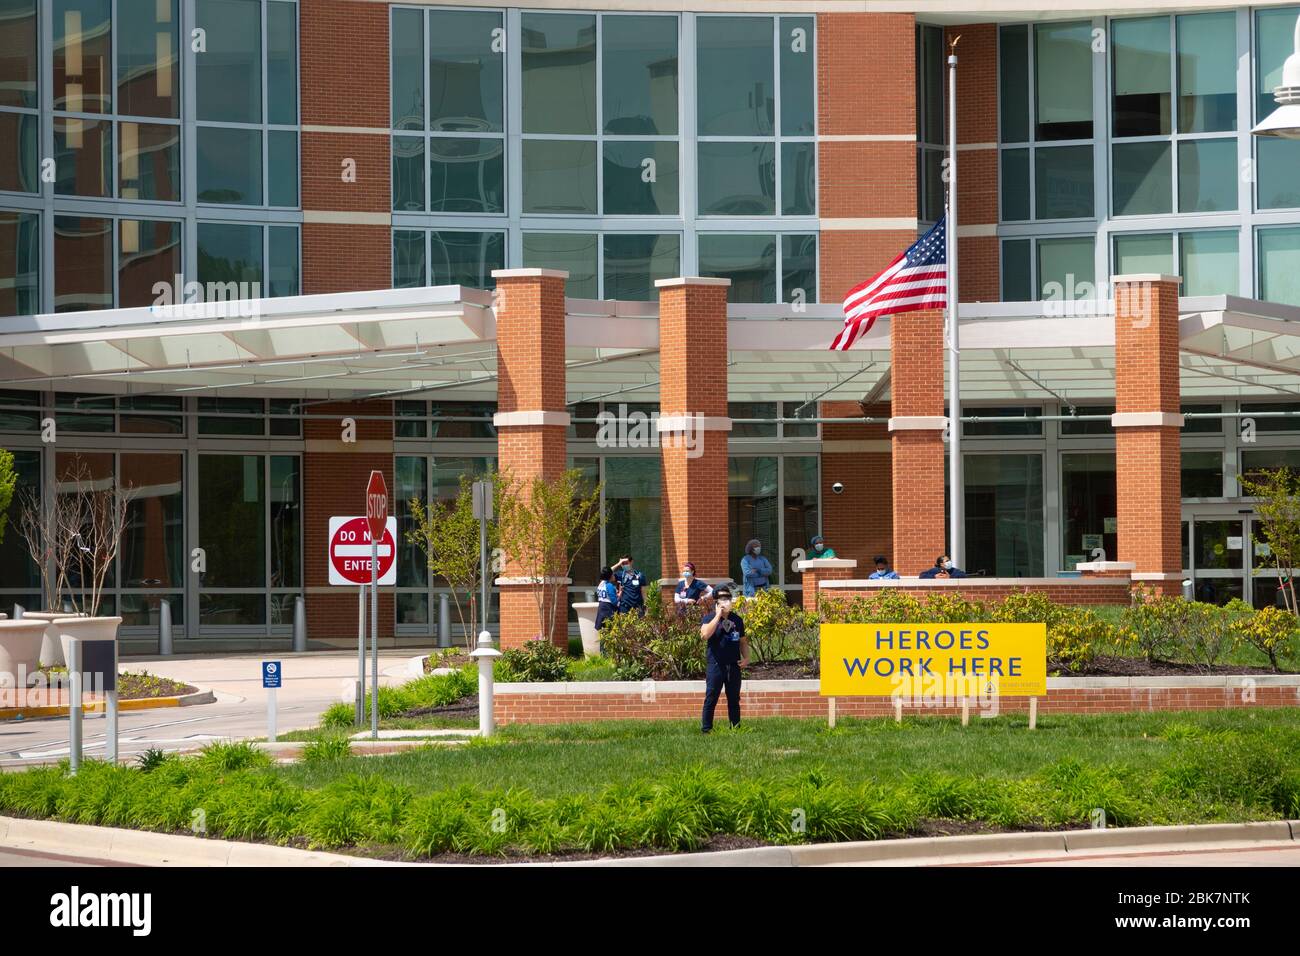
[956,485]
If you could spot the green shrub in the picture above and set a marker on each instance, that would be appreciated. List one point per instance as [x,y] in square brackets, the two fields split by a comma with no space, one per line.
[1173,628]
[1269,630]
[327,749]
[222,756]
[151,759]
[772,624]
[338,716]
[535,661]
[664,644]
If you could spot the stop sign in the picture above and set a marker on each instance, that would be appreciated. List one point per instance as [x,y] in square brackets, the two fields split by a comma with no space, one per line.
[349,551]
[377,504]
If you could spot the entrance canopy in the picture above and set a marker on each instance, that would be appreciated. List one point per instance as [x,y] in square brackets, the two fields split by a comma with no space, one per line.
[430,341]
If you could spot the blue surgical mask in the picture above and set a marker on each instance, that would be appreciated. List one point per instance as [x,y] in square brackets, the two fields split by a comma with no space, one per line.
[758,551]
[688,575]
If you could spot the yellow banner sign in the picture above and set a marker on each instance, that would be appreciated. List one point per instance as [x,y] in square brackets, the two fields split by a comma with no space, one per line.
[928,660]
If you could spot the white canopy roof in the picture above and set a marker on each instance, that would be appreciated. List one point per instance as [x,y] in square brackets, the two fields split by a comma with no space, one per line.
[441,341]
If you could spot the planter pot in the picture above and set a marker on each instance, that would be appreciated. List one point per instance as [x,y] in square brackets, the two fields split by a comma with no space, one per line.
[51,647]
[586,612]
[86,629]
[20,651]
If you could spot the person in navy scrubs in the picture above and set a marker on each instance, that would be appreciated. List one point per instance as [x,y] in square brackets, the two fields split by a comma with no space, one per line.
[690,589]
[606,597]
[726,652]
[943,568]
[631,587]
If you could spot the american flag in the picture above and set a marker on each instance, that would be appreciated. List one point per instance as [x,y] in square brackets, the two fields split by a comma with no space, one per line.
[917,279]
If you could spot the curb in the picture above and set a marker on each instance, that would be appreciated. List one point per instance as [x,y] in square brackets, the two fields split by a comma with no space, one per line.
[200,696]
[166,849]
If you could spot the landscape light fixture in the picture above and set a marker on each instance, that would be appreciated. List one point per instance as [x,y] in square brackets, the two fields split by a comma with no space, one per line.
[1285,120]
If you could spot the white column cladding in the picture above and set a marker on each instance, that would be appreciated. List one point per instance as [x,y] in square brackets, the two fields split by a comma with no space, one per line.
[956,486]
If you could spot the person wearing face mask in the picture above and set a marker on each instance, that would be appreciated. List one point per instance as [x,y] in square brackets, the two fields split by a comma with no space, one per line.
[606,597]
[819,549]
[755,570]
[726,652]
[631,587]
[690,589]
[943,568]
[883,572]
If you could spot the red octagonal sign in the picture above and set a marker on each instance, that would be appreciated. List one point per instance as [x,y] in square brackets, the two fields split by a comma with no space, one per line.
[377,503]
[349,551]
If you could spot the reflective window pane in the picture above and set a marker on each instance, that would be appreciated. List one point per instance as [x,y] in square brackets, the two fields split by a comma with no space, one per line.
[1017,270]
[149,252]
[736,89]
[410,270]
[16,567]
[283,268]
[1277,185]
[83,157]
[1207,175]
[641,178]
[737,179]
[82,55]
[752,509]
[232,521]
[230,252]
[559,176]
[1140,56]
[230,165]
[408,173]
[633,511]
[799,513]
[798,179]
[634,262]
[798,83]
[559,73]
[1088,499]
[1209,263]
[18,63]
[575,253]
[406,67]
[1142,175]
[467,175]
[409,475]
[930,180]
[149,161]
[20,145]
[1063,187]
[1066,268]
[153,542]
[1207,72]
[281,167]
[148,76]
[1202,474]
[748,261]
[1279,265]
[931,83]
[1004,514]
[465,70]
[282,63]
[1274,42]
[1013,83]
[640,75]
[20,257]
[799,268]
[1063,81]
[156,414]
[1149,254]
[229,73]
[466,258]
[83,263]
[286,521]
[1015,184]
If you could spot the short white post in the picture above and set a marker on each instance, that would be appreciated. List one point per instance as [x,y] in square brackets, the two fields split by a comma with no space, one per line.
[965,711]
[1033,713]
[110,712]
[898,710]
[830,712]
[270,714]
[74,705]
[486,655]
[361,656]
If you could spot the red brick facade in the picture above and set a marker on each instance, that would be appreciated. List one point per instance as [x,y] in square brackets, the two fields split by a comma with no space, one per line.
[1061,591]
[916,389]
[858,522]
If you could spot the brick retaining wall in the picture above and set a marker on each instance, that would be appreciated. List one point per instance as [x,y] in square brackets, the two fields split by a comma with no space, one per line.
[1081,590]
[681,700]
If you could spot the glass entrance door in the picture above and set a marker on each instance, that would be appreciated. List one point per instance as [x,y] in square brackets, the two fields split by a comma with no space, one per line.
[1220,562]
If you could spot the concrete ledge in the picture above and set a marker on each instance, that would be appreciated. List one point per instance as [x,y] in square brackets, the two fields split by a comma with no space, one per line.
[200,696]
[972,581]
[1223,681]
[1271,831]
[814,564]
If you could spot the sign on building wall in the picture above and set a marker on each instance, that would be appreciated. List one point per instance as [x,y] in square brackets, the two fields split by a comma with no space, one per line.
[349,551]
[923,660]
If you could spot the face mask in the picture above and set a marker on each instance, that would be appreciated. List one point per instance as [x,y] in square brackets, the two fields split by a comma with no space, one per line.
[757,552]
[947,565]
[688,575]
[881,569]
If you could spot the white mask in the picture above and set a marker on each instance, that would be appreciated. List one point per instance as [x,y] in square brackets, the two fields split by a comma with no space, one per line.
[758,551]
[947,565]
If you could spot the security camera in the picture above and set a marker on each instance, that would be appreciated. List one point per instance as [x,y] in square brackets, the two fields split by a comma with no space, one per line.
[838,487]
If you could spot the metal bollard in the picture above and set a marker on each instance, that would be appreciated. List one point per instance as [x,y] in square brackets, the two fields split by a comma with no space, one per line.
[74,706]
[487,655]
[165,646]
[444,621]
[1187,590]
[299,624]
[19,611]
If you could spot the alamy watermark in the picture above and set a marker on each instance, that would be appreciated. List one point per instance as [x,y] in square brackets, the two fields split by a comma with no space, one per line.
[636,429]
[207,300]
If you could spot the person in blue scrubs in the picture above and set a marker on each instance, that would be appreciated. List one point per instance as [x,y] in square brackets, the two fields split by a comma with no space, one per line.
[726,652]
[755,570]
[606,597]
[943,568]
[690,590]
[631,587]
[883,570]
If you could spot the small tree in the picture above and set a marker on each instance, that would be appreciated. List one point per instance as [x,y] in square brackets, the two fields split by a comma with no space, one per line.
[37,524]
[8,482]
[543,525]
[1278,508]
[89,520]
[448,535]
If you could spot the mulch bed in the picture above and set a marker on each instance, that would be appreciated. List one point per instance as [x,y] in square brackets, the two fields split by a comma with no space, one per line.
[1139,667]
[465,707]
[459,659]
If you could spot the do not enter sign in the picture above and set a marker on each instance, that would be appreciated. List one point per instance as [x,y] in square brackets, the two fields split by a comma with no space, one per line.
[349,551]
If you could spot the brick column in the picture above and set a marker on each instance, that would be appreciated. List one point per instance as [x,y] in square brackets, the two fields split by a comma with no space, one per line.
[817,570]
[334,476]
[693,426]
[1148,479]
[532,423]
[916,430]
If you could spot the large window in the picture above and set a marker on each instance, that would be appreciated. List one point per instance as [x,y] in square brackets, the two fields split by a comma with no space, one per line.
[762,268]
[1206,259]
[19,102]
[612,266]
[932,132]
[252,260]
[1004,515]
[247,103]
[100,262]
[1278,258]
[447,257]
[20,263]
[1057,268]
[1088,506]
[1277,159]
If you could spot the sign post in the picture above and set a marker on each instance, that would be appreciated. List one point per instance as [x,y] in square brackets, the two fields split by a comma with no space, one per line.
[361,656]
[74,706]
[377,521]
[349,556]
[271,675]
[483,512]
